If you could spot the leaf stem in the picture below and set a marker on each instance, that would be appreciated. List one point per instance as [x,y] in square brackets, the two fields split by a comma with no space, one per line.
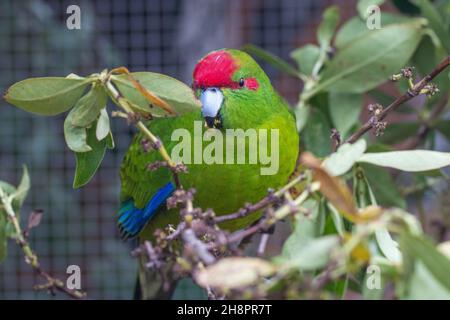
[124,104]
[30,257]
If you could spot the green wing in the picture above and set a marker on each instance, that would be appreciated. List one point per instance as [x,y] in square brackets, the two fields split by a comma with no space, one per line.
[137,181]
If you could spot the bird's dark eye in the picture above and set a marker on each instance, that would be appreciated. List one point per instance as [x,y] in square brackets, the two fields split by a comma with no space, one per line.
[241,82]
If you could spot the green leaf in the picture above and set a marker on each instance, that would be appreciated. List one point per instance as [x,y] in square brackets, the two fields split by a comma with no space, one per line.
[423,250]
[9,189]
[306,58]
[87,163]
[303,249]
[388,246]
[274,60]
[383,186]
[3,238]
[302,112]
[102,128]
[409,160]
[321,217]
[337,219]
[316,133]
[88,107]
[344,158]
[18,197]
[385,100]
[304,230]
[356,27]
[75,136]
[338,287]
[21,192]
[435,21]
[370,60]
[365,197]
[405,6]
[46,96]
[327,27]
[424,286]
[444,127]
[344,111]
[361,189]
[363,5]
[379,147]
[398,132]
[110,141]
[314,254]
[174,92]
[424,59]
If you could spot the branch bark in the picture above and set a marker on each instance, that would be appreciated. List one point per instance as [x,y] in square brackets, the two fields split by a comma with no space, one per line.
[411,93]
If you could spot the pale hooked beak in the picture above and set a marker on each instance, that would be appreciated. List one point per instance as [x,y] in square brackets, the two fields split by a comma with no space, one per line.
[211,99]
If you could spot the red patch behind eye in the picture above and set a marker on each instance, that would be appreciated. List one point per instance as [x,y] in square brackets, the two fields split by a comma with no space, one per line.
[215,70]
[251,83]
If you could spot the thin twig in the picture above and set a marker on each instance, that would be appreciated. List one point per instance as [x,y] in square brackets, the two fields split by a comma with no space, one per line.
[31,258]
[289,208]
[191,240]
[271,198]
[248,209]
[335,138]
[177,231]
[411,93]
[239,235]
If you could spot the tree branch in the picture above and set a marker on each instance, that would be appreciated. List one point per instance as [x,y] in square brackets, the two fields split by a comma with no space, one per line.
[271,198]
[411,93]
[53,284]
[198,246]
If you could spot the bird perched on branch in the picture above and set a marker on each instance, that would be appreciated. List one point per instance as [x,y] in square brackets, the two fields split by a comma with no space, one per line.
[238,102]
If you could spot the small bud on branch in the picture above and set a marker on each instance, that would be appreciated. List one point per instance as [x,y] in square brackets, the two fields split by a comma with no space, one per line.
[411,93]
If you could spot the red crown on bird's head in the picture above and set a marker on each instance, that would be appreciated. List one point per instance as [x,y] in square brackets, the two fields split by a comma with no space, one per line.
[215,70]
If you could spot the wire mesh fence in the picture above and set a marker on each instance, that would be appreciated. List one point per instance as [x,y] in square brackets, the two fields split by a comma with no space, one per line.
[167,36]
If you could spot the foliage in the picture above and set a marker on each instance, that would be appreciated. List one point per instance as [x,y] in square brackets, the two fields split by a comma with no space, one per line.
[17,196]
[364,59]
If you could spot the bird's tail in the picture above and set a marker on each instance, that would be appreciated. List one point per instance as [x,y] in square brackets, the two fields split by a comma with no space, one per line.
[132,220]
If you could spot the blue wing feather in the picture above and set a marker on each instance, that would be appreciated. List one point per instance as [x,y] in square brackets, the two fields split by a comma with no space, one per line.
[132,220]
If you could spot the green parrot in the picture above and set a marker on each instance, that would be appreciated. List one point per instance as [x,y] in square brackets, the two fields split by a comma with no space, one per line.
[235,94]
